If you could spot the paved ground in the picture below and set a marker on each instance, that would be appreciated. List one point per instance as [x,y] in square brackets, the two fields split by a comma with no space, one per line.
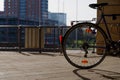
[52,66]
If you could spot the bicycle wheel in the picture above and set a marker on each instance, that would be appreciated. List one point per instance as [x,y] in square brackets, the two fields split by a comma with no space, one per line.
[84,45]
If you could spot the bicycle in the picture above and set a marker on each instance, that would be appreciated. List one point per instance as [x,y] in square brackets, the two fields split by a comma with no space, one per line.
[85,45]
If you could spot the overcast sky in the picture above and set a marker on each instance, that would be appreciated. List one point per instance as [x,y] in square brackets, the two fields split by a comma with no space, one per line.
[75,9]
[1,5]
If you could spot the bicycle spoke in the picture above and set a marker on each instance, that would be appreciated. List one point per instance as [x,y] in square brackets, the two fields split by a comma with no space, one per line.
[82,47]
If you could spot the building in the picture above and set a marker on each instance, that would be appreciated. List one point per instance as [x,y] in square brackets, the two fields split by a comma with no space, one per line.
[60,18]
[21,12]
[27,12]
[113,7]
[52,34]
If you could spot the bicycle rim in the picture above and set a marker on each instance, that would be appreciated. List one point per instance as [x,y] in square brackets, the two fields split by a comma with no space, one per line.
[84,45]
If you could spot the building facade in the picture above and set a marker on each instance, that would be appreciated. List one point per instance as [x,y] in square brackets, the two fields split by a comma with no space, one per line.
[112,8]
[21,12]
[27,11]
[59,17]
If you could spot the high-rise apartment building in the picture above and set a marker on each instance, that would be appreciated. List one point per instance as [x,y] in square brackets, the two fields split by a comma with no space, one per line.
[22,12]
[31,10]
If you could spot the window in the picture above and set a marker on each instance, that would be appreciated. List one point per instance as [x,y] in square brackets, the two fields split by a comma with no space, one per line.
[9,0]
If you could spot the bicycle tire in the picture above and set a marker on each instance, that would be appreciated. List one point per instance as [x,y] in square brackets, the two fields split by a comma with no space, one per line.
[82,48]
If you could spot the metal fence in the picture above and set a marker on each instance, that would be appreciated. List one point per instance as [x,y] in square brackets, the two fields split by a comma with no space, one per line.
[31,38]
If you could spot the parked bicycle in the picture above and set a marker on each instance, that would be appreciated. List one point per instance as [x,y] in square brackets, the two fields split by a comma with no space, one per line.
[85,45]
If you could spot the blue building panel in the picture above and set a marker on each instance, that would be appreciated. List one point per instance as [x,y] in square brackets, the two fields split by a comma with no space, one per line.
[31,10]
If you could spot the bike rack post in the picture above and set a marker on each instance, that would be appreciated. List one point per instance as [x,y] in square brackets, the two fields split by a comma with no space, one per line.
[40,40]
[19,38]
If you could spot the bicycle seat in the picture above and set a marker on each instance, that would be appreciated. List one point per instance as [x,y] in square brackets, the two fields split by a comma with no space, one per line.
[95,6]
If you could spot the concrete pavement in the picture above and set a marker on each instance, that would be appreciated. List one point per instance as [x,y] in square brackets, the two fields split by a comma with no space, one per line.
[53,66]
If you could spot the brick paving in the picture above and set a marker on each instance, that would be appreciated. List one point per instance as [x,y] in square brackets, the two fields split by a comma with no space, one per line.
[53,66]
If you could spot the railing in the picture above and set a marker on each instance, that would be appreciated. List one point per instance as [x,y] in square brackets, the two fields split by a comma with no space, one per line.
[31,38]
